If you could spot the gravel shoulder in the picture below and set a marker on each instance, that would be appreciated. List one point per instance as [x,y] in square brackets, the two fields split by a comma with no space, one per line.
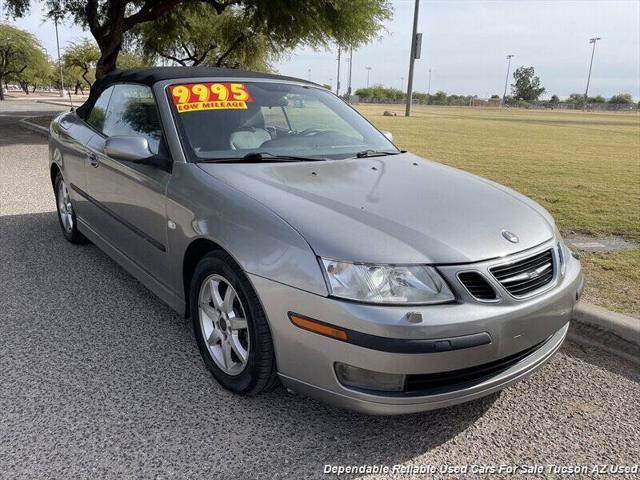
[99,379]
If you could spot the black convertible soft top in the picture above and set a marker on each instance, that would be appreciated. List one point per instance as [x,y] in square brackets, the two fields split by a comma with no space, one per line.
[151,75]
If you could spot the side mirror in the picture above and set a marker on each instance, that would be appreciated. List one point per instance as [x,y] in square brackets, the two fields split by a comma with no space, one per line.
[129,148]
[388,134]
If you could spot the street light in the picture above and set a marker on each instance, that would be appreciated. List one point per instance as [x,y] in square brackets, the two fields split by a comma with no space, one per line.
[349,60]
[593,51]
[55,21]
[338,77]
[429,87]
[416,40]
[368,72]
[506,80]
[350,68]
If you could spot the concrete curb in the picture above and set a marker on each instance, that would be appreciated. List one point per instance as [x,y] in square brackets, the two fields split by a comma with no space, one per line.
[25,123]
[625,327]
[60,103]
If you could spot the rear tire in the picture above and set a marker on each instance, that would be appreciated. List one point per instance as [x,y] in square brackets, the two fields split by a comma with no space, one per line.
[230,326]
[66,213]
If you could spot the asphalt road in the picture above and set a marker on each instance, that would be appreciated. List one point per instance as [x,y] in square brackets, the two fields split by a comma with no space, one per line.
[98,379]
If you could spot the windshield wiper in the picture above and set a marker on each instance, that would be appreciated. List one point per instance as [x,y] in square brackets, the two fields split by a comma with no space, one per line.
[255,157]
[376,153]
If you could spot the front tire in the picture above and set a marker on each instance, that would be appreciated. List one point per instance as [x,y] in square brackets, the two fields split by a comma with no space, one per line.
[66,214]
[230,326]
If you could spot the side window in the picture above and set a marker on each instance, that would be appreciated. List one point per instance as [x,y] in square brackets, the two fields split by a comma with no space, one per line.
[99,111]
[132,111]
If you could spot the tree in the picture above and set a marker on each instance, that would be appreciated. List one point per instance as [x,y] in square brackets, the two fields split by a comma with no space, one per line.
[79,60]
[194,34]
[38,72]
[440,98]
[128,59]
[72,76]
[555,100]
[419,97]
[596,99]
[18,50]
[576,100]
[527,86]
[381,93]
[625,98]
[286,23]
[82,57]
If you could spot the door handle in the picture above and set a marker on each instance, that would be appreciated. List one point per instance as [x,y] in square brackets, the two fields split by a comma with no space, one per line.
[93,160]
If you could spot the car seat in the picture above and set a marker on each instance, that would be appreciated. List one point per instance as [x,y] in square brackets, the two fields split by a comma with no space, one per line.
[251,134]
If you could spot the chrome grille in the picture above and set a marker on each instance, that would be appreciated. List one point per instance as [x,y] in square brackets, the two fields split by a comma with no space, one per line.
[477,286]
[525,276]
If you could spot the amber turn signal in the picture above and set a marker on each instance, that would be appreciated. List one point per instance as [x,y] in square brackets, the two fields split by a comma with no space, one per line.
[317,326]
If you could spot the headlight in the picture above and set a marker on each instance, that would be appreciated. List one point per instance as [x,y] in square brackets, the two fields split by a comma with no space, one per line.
[394,284]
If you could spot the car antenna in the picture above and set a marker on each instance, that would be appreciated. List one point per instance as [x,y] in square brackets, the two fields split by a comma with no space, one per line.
[70,101]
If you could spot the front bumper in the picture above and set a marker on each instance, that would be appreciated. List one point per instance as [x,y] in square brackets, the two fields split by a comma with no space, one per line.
[375,404]
[306,360]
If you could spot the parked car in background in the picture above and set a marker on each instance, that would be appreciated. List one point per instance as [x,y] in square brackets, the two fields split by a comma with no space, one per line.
[306,247]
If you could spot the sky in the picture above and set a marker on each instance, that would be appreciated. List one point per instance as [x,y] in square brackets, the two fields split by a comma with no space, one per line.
[465,43]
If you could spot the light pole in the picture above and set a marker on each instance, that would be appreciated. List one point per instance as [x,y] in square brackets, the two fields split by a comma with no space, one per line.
[55,21]
[506,80]
[338,77]
[429,86]
[350,68]
[368,72]
[46,54]
[593,51]
[415,53]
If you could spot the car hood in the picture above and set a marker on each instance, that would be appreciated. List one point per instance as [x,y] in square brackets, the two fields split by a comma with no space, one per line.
[393,209]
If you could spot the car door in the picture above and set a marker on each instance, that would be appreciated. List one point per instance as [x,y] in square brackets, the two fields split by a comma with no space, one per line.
[73,134]
[128,199]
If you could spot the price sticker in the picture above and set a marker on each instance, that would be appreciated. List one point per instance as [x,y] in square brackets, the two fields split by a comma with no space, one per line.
[210,96]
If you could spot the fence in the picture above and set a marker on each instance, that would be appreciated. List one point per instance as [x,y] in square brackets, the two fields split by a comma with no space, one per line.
[495,103]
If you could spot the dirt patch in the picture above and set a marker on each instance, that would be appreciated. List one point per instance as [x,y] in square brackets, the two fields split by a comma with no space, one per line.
[589,243]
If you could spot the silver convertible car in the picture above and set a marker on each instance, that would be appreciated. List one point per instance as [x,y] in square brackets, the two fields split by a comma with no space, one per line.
[306,247]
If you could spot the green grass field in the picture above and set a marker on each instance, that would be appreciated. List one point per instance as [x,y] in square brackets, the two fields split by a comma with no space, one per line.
[583,167]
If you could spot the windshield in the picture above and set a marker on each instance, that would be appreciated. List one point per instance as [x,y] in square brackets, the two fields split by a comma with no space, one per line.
[232,120]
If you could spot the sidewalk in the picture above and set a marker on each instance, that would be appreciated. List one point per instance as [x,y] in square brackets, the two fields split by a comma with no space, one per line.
[44,98]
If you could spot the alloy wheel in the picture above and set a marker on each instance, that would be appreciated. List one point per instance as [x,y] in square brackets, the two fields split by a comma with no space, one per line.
[224,324]
[64,206]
